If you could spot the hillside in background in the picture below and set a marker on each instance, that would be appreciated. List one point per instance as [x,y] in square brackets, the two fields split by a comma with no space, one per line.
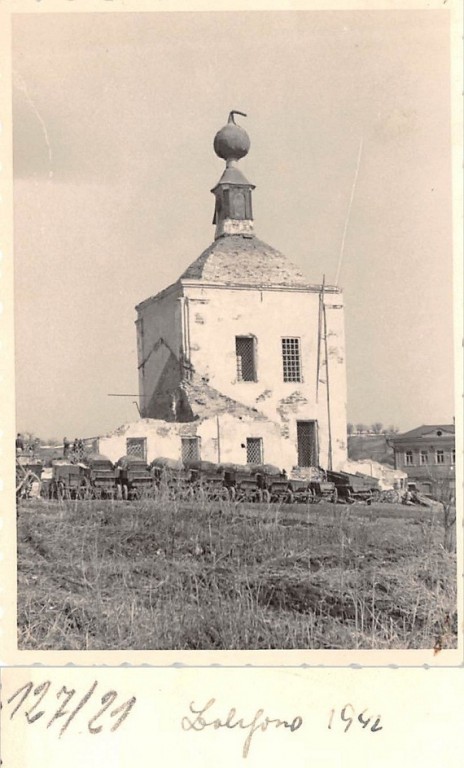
[373,447]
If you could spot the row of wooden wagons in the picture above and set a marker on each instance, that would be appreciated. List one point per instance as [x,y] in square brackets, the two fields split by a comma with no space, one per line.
[133,478]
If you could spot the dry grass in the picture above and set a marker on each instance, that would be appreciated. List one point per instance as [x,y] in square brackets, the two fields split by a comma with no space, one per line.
[115,575]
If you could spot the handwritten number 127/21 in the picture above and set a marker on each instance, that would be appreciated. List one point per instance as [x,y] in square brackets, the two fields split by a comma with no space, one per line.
[348,716]
[65,711]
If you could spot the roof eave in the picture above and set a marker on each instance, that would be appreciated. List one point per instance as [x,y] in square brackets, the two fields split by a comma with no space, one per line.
[301,288]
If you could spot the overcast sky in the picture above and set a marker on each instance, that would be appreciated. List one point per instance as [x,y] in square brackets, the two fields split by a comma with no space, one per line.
[114,118]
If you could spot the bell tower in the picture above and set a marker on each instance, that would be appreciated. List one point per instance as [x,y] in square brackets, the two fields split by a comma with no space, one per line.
[233,214]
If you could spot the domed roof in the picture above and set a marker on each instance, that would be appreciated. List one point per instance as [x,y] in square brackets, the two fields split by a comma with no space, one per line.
[244,260]
[232,141]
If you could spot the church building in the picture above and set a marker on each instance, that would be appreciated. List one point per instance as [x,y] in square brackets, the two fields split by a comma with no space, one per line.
[242,359]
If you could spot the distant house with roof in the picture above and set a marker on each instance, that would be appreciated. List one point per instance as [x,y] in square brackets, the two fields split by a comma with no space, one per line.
[428,455]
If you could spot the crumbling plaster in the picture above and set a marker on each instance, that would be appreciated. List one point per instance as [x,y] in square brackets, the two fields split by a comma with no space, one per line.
[192,376]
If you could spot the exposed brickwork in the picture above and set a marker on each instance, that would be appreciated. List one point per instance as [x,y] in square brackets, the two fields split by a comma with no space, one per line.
[203,401]
[264,395]
[290,405]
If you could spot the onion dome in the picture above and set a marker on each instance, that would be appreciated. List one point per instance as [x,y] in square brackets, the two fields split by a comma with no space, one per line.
[232,142]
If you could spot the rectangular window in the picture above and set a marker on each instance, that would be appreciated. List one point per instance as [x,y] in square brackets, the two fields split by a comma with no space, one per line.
[291,359]
[137,446]
[440,457]
[190,448]
[245,355]
[409,459]
[424,457]
[254,448]
[453,456]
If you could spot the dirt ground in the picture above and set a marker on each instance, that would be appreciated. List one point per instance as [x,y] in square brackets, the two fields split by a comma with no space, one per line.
[160,575]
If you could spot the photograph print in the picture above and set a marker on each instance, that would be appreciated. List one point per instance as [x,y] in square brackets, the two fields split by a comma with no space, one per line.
[233,297]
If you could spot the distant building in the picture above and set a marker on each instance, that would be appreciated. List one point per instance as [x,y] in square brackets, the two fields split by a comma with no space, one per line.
[242,359]
[428,455]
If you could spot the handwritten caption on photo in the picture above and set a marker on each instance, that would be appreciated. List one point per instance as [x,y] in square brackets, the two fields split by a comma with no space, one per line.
[58,707]
[102,715]
[201,718]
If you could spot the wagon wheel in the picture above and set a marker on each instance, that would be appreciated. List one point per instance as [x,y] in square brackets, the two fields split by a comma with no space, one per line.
[200,493]
[316,498]
[26,485]
[349,497]
[177,492]
[213,493]
[83,491]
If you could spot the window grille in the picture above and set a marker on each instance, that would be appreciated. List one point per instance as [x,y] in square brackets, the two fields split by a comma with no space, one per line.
[137,446]
[291,359]
[190,448]
[245,355]
[254,448]
[408,459]
[424,457]
[440,457]
[307,444]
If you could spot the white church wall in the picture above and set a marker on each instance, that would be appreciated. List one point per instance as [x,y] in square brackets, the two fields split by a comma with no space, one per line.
[165,439]
[218,315]
[159,343]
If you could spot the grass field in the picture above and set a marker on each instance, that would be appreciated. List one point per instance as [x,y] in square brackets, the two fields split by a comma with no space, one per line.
[116,575]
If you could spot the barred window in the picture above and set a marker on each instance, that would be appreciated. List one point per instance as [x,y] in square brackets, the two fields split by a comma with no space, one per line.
[409,459]
[245,356]
[291,359]
[137,446]
[190,448]
[424,457]
[440,457]
[254,448]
